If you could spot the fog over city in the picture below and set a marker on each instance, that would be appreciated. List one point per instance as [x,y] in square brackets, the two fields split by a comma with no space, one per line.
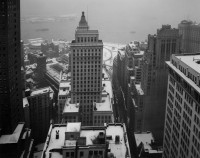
[117,20]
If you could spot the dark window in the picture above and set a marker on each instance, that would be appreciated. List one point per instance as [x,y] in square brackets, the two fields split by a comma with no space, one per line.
[81,153]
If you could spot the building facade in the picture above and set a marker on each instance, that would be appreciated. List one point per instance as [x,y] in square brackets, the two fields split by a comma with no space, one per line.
[40,112]
[86,70]
[190,32]
[154,81]
[11,106]
[182,117]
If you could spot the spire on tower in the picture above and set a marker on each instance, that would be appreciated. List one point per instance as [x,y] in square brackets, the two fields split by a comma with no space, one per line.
[83,23]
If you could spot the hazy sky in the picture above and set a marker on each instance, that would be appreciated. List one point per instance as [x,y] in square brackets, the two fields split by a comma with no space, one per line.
[141,16]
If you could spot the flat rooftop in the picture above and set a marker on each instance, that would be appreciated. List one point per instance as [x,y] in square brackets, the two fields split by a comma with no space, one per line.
[65,84]
[54,143]
[73,127]
[90,135]
[54,146]
[146,138]
[25,102]
[191,61]
[118,149]
[43,91]
[64,88]
[70,108]
[105,105]
[107,87]
[14,137]
[139,89]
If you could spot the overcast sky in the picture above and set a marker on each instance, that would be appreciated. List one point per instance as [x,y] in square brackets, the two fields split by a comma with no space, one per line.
[142,16]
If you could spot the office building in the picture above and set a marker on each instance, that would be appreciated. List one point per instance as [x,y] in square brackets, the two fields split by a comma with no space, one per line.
[154,78]
[102,112]
[74,140]
[182,117]
[86,70]
[63,93]
[40,111]
[190,32]
[11,106]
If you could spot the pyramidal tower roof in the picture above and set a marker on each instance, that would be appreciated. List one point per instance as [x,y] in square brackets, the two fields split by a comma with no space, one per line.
[83,23]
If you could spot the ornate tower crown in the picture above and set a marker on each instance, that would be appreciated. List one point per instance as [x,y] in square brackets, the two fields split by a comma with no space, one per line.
[83,23]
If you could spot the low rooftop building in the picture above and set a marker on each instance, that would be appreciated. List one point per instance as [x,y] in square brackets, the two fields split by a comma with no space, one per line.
[74,140]
[146,145]
[18,143]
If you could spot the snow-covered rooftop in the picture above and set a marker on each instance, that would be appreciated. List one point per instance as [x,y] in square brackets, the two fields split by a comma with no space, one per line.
[191,61]
[53,143]
[43,91]
[146,138]
[64,88]
[73,127]
[70,108]
[25,102]
[118,149]
[90,135]
[105,105]
[139,89]
[107,87]
[14,137]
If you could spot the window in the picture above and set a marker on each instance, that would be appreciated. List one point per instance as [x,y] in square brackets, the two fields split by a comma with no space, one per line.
[67,154]
[81,153]
[72,154]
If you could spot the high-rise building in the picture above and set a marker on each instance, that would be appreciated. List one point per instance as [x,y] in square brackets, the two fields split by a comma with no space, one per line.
[86,70]
[11,106]
[182,117]
[190,32]
[154,78]
[39,112]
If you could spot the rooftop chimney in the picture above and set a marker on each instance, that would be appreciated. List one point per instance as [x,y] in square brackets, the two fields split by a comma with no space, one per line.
[57,134]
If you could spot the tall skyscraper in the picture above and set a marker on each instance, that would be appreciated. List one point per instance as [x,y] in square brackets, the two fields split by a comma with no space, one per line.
[190,32]
[86,70]
[11,106]
[154,78]
[182,117]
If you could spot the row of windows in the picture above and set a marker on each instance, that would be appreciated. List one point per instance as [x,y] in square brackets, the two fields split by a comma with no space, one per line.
[179,88]
[178,97]
[195,153]
[186,128]
[184,147]
[187,118]
[171,88]
[86,39]
[93,64]
[188,109]
[197,120]
[178,107]
[94,59]
[86,52]
[97,62]
[196,143]
[171,96]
